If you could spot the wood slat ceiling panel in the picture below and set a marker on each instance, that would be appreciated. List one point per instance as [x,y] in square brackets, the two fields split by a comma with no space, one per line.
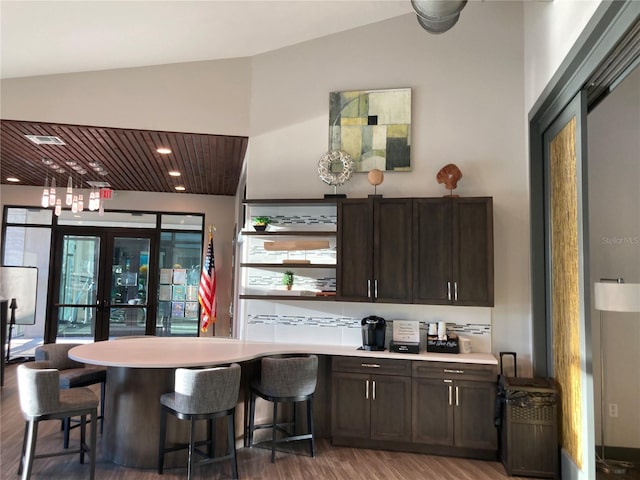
[209,164]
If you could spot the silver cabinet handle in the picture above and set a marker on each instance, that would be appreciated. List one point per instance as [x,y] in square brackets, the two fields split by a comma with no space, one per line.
[375,289]
[457,398]
[448,290]
[447,370]
[455,291]
[374,389]
[366,390]
[450,394]
[370,365]
[368,288]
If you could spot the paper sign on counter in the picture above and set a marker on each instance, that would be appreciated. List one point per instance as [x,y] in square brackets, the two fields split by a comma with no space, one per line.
[406,331]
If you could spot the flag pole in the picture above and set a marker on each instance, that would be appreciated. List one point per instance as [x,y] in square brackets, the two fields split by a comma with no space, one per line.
[207,286]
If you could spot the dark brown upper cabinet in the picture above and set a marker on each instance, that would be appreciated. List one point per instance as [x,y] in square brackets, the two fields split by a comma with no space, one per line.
[375,250]
[453,251]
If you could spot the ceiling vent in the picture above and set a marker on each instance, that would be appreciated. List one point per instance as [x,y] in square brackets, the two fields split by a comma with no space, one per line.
[98,184]
[45,139]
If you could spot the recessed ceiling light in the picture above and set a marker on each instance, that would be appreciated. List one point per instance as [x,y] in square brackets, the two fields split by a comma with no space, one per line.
[13,179]
[174,173]
[180,188]
[163,150]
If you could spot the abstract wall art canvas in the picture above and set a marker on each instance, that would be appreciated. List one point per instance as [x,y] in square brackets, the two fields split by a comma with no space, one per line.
[373,126]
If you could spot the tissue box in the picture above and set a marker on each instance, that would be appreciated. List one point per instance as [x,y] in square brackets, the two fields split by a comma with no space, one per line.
[450,345]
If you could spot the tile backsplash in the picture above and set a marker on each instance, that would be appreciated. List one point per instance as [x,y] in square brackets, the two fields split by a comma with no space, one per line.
[344,330]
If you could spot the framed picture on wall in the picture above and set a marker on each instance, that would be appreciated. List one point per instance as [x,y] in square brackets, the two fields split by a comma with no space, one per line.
[165,275]
[177,309]
[164,292]
[373,126]
[179,292]
[180,275]
[191,309]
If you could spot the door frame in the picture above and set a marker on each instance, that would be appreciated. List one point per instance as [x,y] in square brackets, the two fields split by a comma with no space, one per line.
[608,25]
[106,234]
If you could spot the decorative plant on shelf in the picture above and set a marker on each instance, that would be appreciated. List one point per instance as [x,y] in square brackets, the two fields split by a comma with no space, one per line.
[260,223]
[287,279]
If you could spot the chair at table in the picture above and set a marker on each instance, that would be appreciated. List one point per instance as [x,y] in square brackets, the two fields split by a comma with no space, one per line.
[285,380]
[42,399]
[202,394]
[73,374]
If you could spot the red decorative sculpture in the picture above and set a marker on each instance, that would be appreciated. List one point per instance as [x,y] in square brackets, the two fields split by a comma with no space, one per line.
[449,175]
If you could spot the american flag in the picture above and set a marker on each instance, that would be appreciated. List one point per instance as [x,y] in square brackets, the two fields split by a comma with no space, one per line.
[207,288]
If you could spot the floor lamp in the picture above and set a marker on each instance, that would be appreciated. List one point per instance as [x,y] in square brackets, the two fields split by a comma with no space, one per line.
[612,295]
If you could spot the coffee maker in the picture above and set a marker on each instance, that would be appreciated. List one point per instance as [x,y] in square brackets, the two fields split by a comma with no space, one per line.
[373,331]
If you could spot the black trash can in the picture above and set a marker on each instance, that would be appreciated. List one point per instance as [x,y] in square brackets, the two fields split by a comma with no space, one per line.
[528,426]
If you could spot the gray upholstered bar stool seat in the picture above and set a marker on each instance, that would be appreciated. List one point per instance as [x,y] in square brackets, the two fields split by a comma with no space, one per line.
[42,399]
[285,380]
[73,374]
[202,394]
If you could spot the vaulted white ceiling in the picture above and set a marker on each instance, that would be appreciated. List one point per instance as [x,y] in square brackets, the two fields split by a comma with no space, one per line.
[49,37]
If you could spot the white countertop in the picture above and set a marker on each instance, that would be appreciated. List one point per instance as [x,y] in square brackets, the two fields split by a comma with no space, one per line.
[173,352]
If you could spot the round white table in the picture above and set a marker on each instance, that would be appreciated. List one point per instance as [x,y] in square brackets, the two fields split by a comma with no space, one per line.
[141,369]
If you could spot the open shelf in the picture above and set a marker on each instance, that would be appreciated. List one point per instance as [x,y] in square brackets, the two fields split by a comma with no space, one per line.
[293,233]
[318,298]
[288,266]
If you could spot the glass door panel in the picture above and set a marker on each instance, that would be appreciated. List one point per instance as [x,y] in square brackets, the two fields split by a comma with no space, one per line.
[179,274]
[102,284]
[129,284]
[77,299]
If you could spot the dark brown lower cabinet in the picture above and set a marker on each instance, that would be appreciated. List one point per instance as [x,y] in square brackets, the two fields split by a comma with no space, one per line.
[454,404]
[417,406]
[371,406]
[457,413]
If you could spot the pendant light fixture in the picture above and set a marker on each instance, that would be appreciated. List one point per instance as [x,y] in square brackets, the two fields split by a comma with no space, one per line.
[69,198]
[45,194]
[52,192]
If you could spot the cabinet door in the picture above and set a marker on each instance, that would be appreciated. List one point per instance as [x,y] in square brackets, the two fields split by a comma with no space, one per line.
[432,241]
[355,250]
[390,408]
[432,411]
[350,405]
[474,415]
[392,260]
[473,251]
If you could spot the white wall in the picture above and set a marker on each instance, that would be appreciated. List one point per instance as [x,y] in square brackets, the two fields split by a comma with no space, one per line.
[218,210]
[198,97]
[467,91]
[614,203]
[550,30]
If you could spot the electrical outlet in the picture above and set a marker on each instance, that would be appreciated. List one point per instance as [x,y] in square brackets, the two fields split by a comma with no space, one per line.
[613,410]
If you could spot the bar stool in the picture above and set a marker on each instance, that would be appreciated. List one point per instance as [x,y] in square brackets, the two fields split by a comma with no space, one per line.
[73,374]
[202,394]
[285,380]
[42,399]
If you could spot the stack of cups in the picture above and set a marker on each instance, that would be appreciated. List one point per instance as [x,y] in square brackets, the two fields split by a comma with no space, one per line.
[433,330]
[442,330]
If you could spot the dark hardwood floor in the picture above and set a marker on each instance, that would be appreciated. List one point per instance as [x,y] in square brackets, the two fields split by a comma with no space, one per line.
[331,463]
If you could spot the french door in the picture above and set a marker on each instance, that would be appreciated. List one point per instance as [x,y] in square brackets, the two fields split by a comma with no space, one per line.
[102,282]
